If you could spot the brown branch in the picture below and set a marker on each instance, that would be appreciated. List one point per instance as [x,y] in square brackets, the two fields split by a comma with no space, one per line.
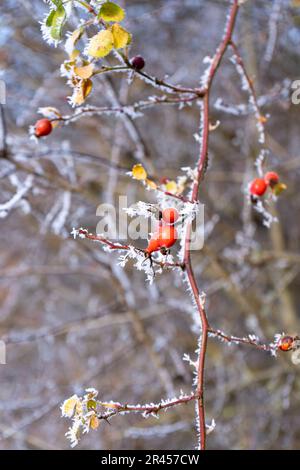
[195,190]
[125,110]
[3,132]
[146,410]
[250,340]
[117,246]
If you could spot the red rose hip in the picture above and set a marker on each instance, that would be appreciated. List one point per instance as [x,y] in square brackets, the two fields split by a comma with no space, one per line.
[170,215]
[42,128]
[258,187]
[271,178]
[167,236]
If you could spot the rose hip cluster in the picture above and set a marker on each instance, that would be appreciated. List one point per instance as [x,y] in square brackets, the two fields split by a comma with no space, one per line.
[259,186]
[165,235]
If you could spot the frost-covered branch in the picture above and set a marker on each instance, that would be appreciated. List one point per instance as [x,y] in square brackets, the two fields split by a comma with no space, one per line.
[22,190]
[133,252]
[201,167]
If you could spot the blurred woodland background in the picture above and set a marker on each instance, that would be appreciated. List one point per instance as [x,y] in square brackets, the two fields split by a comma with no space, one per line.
[72,318]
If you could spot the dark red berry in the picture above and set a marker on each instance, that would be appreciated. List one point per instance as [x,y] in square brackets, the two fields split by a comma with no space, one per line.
[42,128]
[138,62]
[271,178]
[258,187]
[286,343]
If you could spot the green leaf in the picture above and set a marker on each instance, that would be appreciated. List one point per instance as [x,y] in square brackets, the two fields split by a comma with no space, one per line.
[57,3]
[91,405]
[49,19]
[101,44]
[111,12]
[57,22]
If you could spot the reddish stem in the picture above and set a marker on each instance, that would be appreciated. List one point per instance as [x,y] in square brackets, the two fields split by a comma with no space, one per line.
[195,190]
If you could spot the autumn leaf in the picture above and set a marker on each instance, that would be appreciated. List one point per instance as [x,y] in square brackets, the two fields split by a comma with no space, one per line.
[94,423]
[121,36]
[85,71]
[82,91]
[279,188]
[101,44]
[171,187]
[69,405]
[151,184]
[139,172]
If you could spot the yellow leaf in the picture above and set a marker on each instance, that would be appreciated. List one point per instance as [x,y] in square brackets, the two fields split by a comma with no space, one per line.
[139,172]
[120,35]
[82,91]
[278,188]
[68,406]
[111,12]
[79,408]
[151,184]
[84,72]
[262,119]
[94,422]
[101,44]
[171,187]
[74,54]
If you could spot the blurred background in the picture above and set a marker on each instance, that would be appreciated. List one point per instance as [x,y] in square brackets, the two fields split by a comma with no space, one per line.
[70,317]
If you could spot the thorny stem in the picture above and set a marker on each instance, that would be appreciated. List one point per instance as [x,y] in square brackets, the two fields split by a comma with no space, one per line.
[90,110]
[247,340]
[118,246]
[145,409]
[195,190]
